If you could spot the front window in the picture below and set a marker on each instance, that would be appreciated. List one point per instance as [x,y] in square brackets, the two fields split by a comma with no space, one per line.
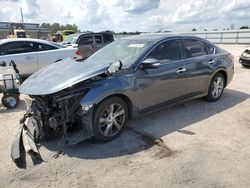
[45,47]
[125,50]
[17,47]
[167,51]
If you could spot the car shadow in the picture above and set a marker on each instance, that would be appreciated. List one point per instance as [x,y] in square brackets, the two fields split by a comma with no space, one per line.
[245,67]
[146,131]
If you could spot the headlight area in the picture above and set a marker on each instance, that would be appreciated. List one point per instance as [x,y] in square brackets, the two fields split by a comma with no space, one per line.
[52,116]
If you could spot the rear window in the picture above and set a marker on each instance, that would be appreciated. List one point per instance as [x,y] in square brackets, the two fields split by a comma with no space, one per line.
[194,48]
[45,47]
[98,39]
[210,48]
[21,34]
[107,38]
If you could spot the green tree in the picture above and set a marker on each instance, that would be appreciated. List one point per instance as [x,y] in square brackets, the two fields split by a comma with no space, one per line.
[57,27]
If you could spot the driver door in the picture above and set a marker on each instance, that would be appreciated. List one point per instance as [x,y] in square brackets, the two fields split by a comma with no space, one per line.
[165,84]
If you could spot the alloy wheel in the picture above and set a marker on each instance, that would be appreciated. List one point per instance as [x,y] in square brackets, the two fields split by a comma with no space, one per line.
[217,87]
[111,120]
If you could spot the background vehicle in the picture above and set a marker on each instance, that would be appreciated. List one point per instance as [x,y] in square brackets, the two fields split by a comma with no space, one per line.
[18,33]
[62,35]
[89,43]
[245,58]
[31,55]
[128,77]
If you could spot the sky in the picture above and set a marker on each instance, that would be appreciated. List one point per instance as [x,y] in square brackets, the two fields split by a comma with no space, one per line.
[131,15]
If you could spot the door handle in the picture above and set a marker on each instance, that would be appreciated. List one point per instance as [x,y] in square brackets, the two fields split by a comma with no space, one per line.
[211,62]
[29,57]
[181,70]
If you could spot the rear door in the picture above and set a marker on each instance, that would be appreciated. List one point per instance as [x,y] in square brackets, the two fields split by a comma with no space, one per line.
[23,53]
[86,45]
[47,54]
[165,84]
[198,65]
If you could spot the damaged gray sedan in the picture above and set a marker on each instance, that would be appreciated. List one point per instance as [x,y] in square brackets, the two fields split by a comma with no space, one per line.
[78,100]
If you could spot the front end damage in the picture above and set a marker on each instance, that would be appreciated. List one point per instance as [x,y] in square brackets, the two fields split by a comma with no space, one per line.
[56,109]
[49,117]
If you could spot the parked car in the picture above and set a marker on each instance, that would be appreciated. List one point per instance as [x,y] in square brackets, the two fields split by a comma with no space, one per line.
[245,58]
[89,43]
[129,77]
[31,55]
[64,34]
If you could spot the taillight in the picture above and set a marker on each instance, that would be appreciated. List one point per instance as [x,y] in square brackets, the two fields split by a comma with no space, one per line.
[231,57]
[78,52]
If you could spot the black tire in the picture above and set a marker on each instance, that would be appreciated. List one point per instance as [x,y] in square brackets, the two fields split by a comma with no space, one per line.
[245,66]
[211,97]
[10,100]
[101,111]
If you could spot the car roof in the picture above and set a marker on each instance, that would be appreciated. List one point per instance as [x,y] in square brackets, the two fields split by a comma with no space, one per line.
[156,37]
[22,39]
[2,41]
[90,33]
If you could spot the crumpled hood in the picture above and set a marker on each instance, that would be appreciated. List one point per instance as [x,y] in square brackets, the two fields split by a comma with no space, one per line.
[59,76]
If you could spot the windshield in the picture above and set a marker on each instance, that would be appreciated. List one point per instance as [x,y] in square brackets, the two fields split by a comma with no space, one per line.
[68,32]
[70,39]
[21,34]
[125,50]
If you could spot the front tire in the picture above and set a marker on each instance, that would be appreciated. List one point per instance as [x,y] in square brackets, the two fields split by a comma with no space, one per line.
[10,100]
[216,87]
[109,119]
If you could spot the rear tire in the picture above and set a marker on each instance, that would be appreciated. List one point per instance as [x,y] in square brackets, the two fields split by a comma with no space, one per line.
[246,66]
[216,87]
[109,119]
[10,100]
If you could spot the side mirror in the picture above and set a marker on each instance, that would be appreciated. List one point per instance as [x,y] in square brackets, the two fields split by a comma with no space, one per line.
[150,63]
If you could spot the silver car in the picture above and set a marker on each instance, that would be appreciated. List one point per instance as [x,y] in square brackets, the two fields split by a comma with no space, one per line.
[31,55]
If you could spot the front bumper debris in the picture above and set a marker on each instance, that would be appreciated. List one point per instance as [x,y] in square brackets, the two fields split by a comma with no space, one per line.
[30,131]
[25,143]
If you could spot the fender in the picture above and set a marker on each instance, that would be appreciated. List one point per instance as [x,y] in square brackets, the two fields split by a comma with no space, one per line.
[105,89]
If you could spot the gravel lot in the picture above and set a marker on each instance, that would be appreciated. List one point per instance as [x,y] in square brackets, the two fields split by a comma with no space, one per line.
[196,144]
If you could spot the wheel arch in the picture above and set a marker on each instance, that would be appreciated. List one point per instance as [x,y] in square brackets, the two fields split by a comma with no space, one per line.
[125,98]
[224,73]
